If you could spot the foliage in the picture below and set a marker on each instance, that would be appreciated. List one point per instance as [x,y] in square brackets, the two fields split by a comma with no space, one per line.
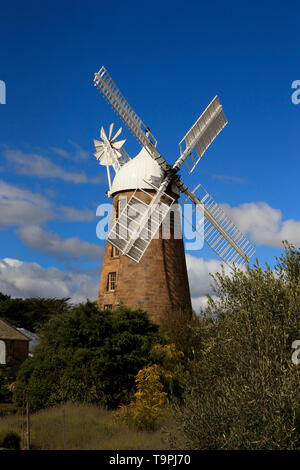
[6,378]
[10,440]
[87,355]
[30,313]
[244,391]
[181,328]
[172,368]
[149,400]
[81,426]
[4,297]
[155,385]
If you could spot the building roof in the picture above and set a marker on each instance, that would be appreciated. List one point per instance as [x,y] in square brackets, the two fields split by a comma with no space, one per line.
[7,331]
[34,338]
[134,172]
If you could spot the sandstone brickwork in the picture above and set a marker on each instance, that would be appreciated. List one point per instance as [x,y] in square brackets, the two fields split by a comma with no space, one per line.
[157,284]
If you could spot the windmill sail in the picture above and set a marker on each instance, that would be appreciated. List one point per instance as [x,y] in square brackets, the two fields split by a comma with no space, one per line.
[218,230]
[202,134]
[109,151]
[139,222]
[112,94]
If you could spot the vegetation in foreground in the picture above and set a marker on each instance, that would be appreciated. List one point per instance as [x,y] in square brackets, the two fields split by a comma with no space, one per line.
[87,427]
[244,389]
[86,355]
[226,375]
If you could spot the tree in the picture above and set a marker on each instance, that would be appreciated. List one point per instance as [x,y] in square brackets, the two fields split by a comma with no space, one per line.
[30,313]
[244,390]
[87,355]
[3,297]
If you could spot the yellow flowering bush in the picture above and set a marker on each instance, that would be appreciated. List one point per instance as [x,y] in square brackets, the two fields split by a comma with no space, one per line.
[150,399]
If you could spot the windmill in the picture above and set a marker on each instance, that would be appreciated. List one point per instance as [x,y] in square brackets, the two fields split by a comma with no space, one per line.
[149,200]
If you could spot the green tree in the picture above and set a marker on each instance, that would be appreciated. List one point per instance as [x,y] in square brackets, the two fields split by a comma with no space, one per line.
[3,297]
[31,313]
[244,390]
[87,355]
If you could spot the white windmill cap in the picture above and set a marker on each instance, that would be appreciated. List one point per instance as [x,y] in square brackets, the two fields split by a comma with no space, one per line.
[132,175]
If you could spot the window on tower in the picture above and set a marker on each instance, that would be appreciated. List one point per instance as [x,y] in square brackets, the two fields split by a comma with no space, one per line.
[111,281]
[114,252]
[121,229]
[108,307]
[121,204]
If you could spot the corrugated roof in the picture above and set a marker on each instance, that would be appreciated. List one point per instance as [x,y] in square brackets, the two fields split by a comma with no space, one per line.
[34,338]
[9,332]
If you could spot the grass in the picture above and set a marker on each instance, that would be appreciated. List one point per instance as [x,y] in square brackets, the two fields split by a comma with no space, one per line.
[87,427]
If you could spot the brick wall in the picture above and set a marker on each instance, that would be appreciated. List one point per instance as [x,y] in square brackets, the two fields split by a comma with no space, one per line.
[157,284]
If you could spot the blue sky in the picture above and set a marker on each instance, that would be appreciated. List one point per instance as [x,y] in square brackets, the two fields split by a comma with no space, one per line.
[169,60]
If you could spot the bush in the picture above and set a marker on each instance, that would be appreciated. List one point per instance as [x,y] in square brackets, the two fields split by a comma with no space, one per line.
[156,384]
[244,391]
[149,401]
[10,440]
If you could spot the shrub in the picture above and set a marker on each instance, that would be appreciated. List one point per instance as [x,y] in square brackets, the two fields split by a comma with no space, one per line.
[155,385]
[149,400]
[244,391]
[10,440]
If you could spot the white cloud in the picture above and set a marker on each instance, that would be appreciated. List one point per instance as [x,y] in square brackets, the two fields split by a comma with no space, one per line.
[264,224]
[19,207]
[200,281]
[199,271]
[80,153]
[227,178]
[52,243]
[61,152]
[71,214]
[22,207]
[37,165]
[20,279]
[200,302]
[77,155]
[8,191]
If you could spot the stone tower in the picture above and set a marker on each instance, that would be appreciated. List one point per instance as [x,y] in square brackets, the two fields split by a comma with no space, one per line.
[159,282]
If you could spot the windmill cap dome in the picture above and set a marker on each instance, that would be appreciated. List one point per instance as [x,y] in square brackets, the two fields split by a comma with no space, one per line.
[133,173]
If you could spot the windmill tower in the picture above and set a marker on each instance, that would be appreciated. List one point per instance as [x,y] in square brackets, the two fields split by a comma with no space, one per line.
[142,267]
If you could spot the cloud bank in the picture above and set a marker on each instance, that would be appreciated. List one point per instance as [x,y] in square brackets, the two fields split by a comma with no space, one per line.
[52,243]
[20,279]
[34,164]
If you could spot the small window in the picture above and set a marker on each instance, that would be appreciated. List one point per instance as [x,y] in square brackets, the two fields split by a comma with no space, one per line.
[111,281]
[121,204]
[114,252]
[108,307]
